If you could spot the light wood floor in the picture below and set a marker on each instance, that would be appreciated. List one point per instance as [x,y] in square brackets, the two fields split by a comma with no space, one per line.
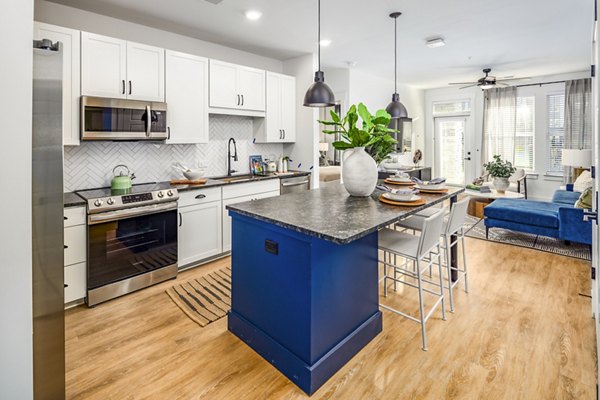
[523,332]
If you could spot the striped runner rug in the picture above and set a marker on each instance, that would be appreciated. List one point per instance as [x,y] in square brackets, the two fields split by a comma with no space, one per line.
[204,299]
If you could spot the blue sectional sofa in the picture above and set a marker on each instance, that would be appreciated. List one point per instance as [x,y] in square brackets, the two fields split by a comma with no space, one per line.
[558,218]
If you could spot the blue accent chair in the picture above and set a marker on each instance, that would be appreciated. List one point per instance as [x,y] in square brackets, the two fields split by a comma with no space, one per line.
[558,218]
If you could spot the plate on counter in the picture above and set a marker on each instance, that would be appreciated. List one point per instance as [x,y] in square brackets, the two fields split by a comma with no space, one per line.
[414,203]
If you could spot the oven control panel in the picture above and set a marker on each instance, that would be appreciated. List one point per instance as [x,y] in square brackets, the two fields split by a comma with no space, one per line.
[131,200]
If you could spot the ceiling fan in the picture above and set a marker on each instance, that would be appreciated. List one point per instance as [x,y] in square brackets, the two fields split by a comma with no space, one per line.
[487,82]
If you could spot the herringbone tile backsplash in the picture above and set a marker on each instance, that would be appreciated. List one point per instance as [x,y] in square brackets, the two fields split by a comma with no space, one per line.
[90,164]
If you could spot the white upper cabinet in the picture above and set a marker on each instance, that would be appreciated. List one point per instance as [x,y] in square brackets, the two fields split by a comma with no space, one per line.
[145,72]
[236,87]
[119,69]
[71,76]
[103,66]
[186,89]
[280,120]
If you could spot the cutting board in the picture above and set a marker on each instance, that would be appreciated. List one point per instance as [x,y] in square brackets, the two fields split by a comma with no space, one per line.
[188,182]
[419,202]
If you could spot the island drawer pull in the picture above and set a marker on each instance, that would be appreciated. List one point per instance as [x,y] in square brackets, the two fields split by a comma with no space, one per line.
[201,196]
[295,183]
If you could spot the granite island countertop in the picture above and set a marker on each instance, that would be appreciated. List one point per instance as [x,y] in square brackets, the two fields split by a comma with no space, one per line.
[331,213]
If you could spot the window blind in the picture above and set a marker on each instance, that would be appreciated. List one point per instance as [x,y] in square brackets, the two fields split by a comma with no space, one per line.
[525,132]
[556,131]
[452,107]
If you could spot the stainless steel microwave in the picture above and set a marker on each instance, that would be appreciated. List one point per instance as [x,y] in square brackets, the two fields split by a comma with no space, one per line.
[118,119]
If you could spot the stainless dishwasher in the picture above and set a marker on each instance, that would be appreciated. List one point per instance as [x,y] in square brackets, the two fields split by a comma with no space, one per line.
[295,184]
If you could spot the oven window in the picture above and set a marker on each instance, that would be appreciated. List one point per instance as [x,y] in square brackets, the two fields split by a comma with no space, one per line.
[106,119]
[126,248]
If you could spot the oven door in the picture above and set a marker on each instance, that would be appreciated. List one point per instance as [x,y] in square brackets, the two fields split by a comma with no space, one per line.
[116,119]
[125,245]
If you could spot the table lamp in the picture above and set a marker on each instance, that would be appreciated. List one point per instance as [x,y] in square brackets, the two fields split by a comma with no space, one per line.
[579,159]
[323,149]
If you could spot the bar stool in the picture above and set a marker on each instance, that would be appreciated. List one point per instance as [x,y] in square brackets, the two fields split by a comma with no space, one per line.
[453,226]
[420,250]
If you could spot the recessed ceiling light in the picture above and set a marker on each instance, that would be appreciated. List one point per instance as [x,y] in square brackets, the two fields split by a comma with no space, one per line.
[253,15]
[435,42]
[325,42]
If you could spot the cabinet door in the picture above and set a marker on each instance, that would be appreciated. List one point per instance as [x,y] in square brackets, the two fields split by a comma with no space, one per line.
[145,72]
[274,127]
[288,108]
[223,85]
[70,40]
[199,232]
[103,66]
[252,87]
[186,87]
[227,218]
[75,282]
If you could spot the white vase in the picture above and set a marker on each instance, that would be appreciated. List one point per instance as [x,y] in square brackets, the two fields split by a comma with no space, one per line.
[359,172]
[501,184]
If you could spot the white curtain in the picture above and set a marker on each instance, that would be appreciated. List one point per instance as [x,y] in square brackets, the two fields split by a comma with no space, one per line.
[578,118]
[499,123]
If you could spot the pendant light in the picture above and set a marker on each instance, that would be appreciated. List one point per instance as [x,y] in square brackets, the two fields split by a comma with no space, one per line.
[319,94]
[395,108]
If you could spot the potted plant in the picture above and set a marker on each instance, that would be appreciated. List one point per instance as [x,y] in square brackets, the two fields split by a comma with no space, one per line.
[500,170]
[370,144]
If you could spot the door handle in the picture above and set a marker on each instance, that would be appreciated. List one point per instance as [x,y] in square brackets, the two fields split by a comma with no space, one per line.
[283,134]
[590,216]
[130,87]
[180,219]
[242,100]
[123,81]
[238,99]
[168,132]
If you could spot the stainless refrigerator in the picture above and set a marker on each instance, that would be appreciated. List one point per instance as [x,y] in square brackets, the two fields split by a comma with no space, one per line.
[48,243]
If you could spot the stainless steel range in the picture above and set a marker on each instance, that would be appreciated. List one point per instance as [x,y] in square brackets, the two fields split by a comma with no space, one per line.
[132,239]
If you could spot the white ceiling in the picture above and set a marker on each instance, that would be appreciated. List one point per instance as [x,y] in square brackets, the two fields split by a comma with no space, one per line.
[514,37]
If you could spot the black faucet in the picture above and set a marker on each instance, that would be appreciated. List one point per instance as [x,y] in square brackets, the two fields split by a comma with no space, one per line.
[229,156]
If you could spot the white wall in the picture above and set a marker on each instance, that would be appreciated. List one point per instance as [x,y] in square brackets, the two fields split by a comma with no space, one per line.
[539,186]
[16,357]
[74,18]
[305,152]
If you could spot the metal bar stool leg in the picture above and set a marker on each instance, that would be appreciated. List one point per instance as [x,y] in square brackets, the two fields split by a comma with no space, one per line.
[464,254]
[421,308]
[442,284]
[449,268]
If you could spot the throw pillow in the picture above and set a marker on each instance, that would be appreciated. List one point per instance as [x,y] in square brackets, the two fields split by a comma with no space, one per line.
[583,182]
[585,200]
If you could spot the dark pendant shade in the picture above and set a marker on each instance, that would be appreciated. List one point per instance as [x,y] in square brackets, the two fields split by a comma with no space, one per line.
[319,94]
[395,108]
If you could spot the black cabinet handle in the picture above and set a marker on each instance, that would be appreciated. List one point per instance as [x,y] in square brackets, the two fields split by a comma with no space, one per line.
[468,158]
[242,100]
[130,87]
[66,286]
[123,81]
[168,132]
[180,219]
[65,218]
[284,134]
[65,246]
[201,196]
[238,99]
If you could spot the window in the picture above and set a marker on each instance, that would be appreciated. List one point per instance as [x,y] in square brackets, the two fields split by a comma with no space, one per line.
[452,107]
[525,132]
[556,131]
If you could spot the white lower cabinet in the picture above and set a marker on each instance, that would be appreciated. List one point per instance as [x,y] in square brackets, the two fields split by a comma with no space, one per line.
[199,232]
[75,282]
[227,218]
[75,259]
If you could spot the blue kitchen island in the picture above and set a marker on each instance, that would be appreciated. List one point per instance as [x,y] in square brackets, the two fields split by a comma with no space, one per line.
[305,278]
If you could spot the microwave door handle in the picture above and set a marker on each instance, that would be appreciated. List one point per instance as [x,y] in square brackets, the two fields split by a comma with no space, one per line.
[148,120]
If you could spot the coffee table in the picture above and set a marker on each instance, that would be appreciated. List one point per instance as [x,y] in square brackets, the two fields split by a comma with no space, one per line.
[480,200]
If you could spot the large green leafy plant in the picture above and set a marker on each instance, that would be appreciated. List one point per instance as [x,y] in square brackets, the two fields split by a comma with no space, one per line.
[374,135]
[498,168]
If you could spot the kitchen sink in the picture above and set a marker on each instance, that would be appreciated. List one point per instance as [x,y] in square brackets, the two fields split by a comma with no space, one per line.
[235,178]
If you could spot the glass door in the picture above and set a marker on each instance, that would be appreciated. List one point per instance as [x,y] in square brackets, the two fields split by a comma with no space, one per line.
[450,155]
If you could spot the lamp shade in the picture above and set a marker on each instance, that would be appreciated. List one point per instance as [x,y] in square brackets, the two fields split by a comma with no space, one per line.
[577,158]
[319,94]
[396,109]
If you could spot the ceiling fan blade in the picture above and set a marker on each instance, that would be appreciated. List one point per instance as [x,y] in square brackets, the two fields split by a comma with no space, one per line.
[463,83]
[466,87]
[526,78]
